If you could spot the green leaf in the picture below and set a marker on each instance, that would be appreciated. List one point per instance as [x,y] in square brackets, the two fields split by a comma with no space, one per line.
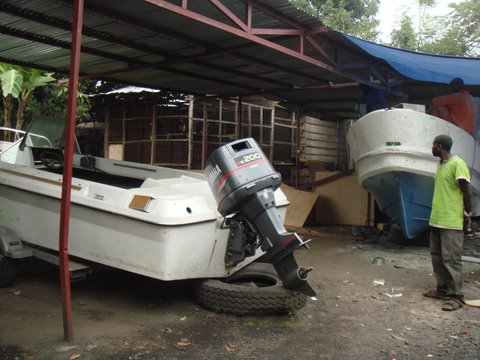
[38,81]
[12,81]
[34,78]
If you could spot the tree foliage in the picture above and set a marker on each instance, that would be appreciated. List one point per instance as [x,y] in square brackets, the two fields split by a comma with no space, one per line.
[53,100]
[405,36]
[354,17]
[32,79]
[27,92]
[18,84]
[465,26]
[10,79]
[457,33]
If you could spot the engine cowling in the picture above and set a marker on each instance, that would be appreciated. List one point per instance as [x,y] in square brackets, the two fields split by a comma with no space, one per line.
[243,181]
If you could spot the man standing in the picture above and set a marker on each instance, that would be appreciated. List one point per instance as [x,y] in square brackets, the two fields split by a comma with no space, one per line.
[451,203]
[459,107]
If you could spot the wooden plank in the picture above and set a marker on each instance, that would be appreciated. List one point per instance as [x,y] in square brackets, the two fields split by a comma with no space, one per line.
[323,141]
[115,151]
[318,233]
[471,259]
[315,121]
[140,202]
[320,158]
[473,303]
[39,178]
[301,203]
[323,151]
[321,130]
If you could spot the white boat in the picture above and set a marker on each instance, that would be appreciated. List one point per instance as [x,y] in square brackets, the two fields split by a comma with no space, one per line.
[392,151]
[154,221]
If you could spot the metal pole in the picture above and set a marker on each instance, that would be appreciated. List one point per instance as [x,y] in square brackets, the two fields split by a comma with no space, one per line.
[297,150]
[204,134]
[153,133]
[240,118]
[67,169]
[191,104]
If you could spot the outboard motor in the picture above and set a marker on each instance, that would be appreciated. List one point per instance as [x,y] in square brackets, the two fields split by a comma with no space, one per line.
[243,182]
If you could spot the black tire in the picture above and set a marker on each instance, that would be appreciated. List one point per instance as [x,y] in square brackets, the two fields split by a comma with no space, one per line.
[8,271]
[254,290]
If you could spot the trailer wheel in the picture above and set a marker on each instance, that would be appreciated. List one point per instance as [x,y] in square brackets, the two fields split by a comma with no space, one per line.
[8,271]
[254,290]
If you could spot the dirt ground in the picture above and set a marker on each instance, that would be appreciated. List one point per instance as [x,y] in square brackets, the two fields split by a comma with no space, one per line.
[117,315]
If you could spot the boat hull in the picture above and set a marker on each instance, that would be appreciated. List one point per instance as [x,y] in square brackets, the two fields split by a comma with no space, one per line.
[113,240]
[405,197]
[393,160]
[150,220]
[178,236]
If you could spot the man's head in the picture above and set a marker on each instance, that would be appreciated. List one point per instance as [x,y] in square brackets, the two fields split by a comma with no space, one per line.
[457,85]
[441,143]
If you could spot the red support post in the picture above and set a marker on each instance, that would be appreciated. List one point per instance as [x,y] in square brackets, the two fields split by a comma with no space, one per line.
[67,168]
[204,134]
[297,152]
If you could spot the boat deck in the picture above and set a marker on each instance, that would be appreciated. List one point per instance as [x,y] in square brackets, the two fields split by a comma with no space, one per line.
[104,178]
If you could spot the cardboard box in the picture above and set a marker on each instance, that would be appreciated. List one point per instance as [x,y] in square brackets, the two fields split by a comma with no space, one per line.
[342,201]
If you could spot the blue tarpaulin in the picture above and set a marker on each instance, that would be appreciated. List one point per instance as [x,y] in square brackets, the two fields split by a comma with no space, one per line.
[421,66]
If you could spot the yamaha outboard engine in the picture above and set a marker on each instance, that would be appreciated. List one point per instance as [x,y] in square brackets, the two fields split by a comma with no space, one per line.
[243,182]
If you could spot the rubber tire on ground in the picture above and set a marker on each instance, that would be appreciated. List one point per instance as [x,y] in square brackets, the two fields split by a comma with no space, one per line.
[8,271]
[254,290]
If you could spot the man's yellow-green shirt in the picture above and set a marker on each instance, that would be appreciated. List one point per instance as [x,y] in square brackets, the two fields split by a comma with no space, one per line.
[447,203]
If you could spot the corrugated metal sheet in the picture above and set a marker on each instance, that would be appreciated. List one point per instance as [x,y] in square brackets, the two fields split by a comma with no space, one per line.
[168,49]
[200,49]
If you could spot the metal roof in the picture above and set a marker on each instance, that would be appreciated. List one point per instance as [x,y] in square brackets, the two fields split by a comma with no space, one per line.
[209,47]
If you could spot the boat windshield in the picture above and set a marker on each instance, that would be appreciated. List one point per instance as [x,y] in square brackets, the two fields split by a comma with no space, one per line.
[47,131]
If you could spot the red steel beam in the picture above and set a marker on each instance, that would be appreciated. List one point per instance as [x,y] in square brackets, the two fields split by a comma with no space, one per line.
[67,168]
[240,33]
[230,15]
[91,32]
[267,31]
[304,31]
[210,50]
[249,15]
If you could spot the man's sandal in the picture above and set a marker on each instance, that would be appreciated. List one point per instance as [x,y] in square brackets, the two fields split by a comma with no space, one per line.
[452,305]
[436,294]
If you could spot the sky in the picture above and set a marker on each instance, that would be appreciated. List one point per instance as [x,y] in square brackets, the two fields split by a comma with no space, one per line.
[391,12]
